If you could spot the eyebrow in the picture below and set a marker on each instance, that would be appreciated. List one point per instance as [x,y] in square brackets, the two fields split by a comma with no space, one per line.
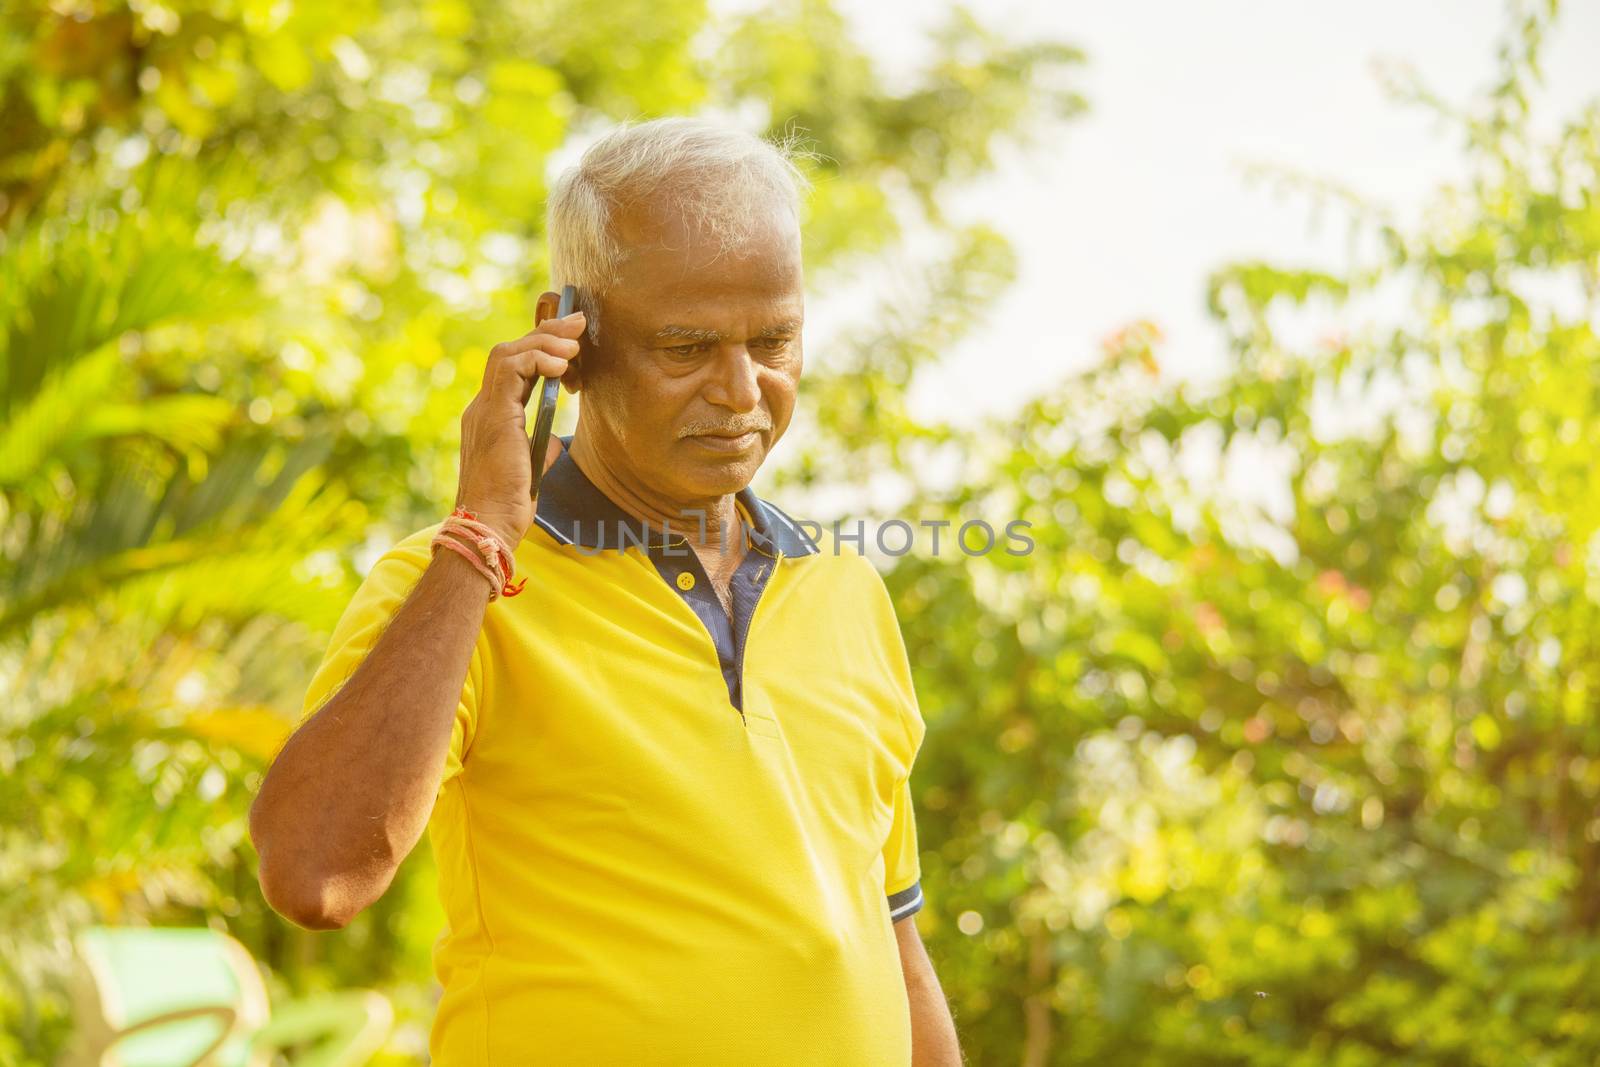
[692,333]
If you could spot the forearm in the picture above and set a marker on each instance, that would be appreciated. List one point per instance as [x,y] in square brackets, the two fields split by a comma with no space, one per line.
[933,1030]
[350,793]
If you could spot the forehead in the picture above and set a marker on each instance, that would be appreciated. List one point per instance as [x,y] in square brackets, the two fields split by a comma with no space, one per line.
[675,269]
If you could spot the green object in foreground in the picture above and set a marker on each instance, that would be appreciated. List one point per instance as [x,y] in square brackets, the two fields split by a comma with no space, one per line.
[162,997]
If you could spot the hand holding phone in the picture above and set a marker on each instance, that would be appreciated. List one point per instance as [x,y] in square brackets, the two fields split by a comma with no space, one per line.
[500,473]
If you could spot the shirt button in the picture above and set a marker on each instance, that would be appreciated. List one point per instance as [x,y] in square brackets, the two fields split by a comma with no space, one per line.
[685,581]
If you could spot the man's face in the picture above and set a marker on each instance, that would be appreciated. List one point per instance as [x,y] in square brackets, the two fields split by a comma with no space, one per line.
[699,356]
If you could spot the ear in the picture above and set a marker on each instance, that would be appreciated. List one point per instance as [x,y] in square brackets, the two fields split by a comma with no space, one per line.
[549,303]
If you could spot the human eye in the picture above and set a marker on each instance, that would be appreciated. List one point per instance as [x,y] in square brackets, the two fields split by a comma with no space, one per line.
[692,349]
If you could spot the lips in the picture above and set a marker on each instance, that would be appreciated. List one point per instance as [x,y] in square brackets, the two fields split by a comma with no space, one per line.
[721,443]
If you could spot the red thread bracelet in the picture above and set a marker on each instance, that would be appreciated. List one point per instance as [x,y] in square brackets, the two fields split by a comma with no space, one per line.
[494,560]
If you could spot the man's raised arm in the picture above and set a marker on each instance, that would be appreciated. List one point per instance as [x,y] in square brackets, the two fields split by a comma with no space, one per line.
[350,793]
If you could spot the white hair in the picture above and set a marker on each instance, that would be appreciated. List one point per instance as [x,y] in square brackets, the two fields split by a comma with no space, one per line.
[725,181]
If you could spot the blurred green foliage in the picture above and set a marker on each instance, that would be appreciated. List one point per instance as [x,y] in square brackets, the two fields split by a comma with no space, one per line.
[1305,775]
[253,257]
[1300,776]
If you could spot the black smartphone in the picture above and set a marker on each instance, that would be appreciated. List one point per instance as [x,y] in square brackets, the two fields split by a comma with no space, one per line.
[547,390]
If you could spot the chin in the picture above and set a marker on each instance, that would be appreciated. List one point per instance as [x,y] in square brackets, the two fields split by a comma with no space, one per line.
[705,474]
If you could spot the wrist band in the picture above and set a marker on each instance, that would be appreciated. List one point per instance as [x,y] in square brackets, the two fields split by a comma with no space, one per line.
[493,559]
[471,557]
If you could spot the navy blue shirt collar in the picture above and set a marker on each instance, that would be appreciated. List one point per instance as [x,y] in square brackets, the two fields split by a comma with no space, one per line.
[573,510]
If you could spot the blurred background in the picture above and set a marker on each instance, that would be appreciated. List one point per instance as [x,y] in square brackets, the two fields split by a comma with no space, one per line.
[1277,322]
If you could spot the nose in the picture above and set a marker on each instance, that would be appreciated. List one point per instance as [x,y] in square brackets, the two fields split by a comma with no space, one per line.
[734,383]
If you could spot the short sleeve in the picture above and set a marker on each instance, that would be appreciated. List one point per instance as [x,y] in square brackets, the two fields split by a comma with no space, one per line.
[902,871]
[375,602]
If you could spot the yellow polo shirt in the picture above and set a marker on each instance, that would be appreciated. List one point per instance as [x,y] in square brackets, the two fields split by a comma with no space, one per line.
[665,836]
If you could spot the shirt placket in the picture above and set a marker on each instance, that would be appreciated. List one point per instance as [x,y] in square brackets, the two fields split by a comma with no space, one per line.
[680,567]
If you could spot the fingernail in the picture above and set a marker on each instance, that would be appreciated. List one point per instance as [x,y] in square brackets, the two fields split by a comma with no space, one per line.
[575,315]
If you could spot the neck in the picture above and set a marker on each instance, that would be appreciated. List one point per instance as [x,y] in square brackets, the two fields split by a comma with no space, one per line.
[717,530]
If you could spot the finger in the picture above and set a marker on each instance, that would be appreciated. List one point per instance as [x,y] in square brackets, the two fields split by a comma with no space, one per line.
[527,348]
[571,326]
[562,346]
[553,347]
[552,451]
[515,375]
[567,325]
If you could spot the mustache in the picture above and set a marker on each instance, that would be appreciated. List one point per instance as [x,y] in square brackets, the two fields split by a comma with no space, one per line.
[725,429]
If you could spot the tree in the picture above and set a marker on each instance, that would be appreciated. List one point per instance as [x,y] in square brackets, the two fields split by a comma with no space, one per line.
[1310,781]
[253,257]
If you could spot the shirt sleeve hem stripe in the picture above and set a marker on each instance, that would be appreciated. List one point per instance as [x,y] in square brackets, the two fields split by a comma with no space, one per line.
[906,902]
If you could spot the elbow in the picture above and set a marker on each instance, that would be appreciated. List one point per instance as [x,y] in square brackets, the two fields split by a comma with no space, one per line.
[293,887]
[307,901]
[310,908]
[319,917]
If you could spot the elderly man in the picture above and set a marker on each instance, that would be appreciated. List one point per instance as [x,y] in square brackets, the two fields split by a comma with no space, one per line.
[667,783]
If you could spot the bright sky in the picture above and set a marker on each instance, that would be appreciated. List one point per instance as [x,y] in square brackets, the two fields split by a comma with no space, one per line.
[1128,211]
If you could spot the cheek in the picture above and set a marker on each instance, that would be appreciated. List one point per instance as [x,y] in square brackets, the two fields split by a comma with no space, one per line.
[639,396]
[781,392]
[615,391]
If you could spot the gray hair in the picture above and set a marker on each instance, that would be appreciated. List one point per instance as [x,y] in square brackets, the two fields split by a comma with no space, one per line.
[724,180]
